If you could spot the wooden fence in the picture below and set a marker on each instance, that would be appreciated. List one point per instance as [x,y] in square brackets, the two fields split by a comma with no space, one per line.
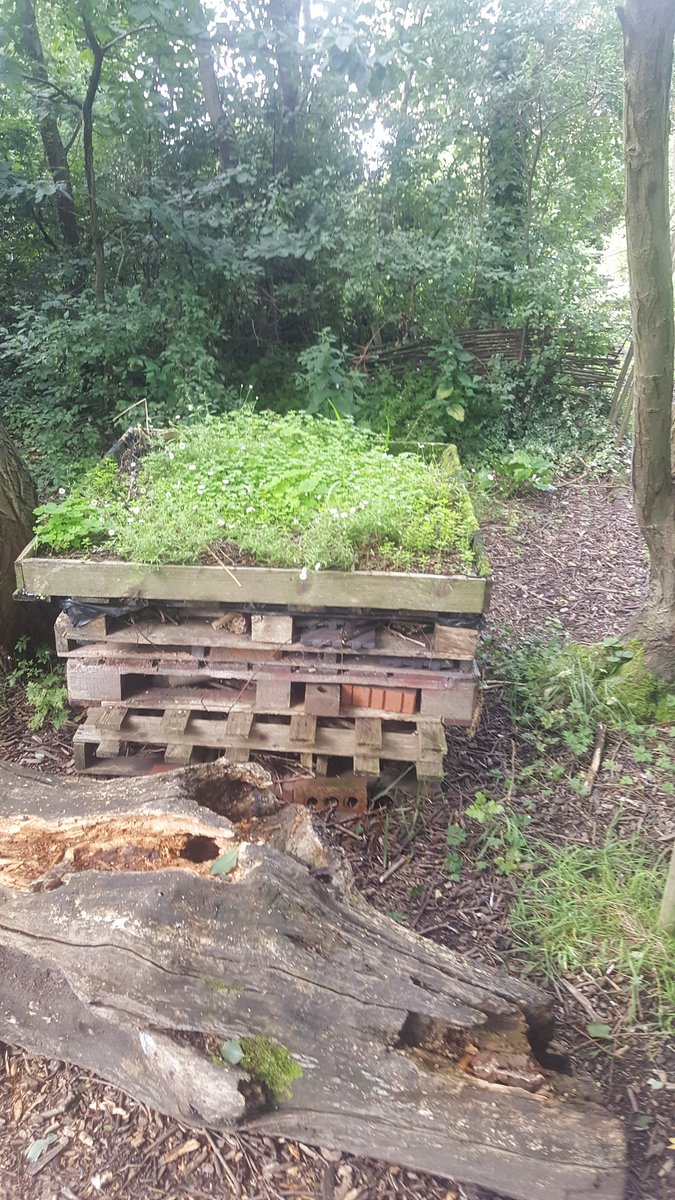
[585,372]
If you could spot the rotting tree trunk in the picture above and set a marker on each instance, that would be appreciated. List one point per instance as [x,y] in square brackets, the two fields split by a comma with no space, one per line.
[17,501]
[143,963]
[648,30]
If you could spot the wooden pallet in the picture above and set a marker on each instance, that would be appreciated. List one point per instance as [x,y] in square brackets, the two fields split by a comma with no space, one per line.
[366,740]
[100,579]
[169,680]
[264,633]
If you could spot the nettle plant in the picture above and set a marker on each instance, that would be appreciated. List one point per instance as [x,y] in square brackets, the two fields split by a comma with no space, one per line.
[290,491]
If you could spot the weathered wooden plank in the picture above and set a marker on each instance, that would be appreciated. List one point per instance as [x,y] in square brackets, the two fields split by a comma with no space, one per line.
[302,728]
[368,731]
[273,693]
[147,633]
[93,681]
[456,705]
[366,764]
[431,735]
[327,738]
[272,627]
[322,699]
[255,585]
[239,724]
[451,641]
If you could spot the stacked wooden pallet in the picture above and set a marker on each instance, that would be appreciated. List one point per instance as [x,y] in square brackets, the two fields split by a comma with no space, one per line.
[363,666]
[192,679]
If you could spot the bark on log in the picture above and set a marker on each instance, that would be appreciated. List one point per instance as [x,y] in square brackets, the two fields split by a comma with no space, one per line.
[121,952]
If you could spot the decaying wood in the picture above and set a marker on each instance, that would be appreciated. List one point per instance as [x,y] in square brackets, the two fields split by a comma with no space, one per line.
[120,951]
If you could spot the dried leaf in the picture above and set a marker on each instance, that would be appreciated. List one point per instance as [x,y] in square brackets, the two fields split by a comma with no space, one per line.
[188,1147]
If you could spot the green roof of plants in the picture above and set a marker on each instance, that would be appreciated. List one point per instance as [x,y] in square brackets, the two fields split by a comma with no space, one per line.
[287,491]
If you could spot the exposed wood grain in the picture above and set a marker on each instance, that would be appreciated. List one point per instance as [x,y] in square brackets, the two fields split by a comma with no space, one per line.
[136,974]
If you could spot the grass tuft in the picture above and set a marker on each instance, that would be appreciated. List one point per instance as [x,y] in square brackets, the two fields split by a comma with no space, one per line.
[595,909]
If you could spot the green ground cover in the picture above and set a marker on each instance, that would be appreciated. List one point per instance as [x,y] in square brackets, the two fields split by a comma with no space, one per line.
[291,490]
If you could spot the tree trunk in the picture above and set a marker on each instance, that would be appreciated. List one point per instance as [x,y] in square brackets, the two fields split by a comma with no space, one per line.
[222,127]
[55,151]
[648,29]
[17,501]
[145,963]
[89,171]
[285,17]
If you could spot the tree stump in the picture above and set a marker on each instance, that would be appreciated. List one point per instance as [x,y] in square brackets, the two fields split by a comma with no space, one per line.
[122,952]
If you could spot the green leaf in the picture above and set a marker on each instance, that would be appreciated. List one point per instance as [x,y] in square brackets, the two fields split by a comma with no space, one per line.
[456,411]
[455,836]
[39,1146]
[226,863]
[231,1052]
[443,393]
[596,1029]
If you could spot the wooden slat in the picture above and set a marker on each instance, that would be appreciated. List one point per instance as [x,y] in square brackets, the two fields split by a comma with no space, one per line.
[302,728]
[110,724]
[356,669]
[239,724]
[161,634]
[456,705]
[248,585]
[322,699]
[366,764]
[450,641]
[328,740]
[273,693]
[431,736]
[272,627]
[368,731]
[209,700]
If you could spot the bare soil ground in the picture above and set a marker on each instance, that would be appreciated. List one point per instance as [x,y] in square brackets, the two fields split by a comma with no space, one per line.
[574,556]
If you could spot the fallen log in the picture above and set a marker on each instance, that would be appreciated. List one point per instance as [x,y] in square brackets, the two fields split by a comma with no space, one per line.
[272,997]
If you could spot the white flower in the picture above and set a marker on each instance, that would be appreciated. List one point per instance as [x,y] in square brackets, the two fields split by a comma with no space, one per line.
[190,407]
[192,466]
[211,472]
[225,482]
[343,516]
[182,445]
[130,520]
[250,508]
[317,566]
[177,417]
[201,489]
[136,510]
[94,504]
[111,533]
[62,491]
[221,522]
[303,574]
[352,511]
[171,455]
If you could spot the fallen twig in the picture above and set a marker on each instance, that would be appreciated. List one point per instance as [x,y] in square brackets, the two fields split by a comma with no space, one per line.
[596,761]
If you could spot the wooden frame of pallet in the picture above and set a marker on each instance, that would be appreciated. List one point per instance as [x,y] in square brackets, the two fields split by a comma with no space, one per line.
[125,675]
[366,740]
[450,643]
[98,579]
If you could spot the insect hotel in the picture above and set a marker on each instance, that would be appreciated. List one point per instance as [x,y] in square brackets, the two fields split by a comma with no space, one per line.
[336,670]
